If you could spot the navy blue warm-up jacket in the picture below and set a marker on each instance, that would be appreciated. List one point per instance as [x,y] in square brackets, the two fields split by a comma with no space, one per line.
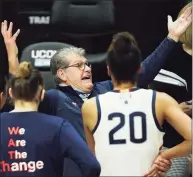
[35,144]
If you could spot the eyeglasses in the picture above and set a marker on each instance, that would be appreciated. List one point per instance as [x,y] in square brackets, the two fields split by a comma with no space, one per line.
[81,66]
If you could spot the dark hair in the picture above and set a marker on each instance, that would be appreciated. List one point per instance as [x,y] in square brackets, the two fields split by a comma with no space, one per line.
[3,84]
[25,84]
[124,57]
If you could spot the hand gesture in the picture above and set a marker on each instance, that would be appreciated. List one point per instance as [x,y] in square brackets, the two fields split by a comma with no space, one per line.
[11,47]
[178,27]
[159,167]
[9,39]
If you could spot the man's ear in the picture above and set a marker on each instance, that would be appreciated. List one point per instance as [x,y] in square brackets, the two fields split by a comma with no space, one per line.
[42,95]
[62,75]
[108,71]
[10,93]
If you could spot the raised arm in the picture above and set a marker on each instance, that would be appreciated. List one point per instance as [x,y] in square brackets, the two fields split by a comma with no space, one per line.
[10,44]
[75,148]
[154,62]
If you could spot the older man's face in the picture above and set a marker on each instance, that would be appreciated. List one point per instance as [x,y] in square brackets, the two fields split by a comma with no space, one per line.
[78,74]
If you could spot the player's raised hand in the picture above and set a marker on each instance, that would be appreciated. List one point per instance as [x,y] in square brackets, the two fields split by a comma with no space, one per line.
[178,27]
[11,46]
[9,39]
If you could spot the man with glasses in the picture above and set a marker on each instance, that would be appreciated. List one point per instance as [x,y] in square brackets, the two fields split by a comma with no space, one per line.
[73,79]
[70,67]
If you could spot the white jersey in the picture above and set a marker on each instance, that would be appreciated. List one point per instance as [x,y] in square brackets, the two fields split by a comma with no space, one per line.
[127,135]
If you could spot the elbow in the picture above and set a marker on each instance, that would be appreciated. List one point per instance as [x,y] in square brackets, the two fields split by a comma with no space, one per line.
[94,169]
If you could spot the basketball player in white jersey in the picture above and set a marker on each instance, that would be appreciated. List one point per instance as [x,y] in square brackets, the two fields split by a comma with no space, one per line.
[124,127]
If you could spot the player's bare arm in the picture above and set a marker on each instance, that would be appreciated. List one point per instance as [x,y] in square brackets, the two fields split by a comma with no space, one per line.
[89,114]
[168,109]
[174,115]
[11,46]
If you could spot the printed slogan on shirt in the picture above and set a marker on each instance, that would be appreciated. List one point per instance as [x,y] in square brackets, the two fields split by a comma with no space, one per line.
[16,155]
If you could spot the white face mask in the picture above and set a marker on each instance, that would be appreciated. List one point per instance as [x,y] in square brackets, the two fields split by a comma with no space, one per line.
[84,96]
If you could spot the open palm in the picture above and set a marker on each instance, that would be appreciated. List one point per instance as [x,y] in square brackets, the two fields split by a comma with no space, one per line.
[9,39]
[11,46]
[178,27]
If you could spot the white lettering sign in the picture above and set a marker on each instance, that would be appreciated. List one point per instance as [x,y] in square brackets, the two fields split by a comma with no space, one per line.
[39,20]
[42,54]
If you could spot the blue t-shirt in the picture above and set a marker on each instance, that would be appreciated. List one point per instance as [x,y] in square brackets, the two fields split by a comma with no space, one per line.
[35,144]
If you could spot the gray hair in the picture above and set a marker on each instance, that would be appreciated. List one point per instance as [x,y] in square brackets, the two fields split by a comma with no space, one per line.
[60,60]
